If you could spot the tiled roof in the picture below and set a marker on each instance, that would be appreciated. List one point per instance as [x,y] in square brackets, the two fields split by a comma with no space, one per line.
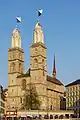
[53,80]
[27,74]
[73,83]
[49,78]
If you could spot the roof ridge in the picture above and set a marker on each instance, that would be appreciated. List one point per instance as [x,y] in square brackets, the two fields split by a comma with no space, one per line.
[54,80]
[73,83]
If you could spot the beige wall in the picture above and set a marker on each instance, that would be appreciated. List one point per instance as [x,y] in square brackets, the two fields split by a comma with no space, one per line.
[55,91]
[15,68]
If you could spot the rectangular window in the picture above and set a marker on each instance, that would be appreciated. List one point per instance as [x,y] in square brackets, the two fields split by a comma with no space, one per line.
[20,100]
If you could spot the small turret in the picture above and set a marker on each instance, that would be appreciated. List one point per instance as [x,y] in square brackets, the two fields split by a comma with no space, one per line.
[16,38]
[38,35]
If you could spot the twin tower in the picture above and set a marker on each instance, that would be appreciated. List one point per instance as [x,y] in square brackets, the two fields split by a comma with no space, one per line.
[37,71]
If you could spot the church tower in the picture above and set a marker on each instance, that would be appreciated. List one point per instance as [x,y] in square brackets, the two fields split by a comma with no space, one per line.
[38,63]
[15,68]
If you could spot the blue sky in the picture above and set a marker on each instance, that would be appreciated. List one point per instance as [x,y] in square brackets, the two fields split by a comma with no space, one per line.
[61,25]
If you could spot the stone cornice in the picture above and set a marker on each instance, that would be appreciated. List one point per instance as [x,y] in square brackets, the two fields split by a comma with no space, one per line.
[38,44]
[38,56]
[16,48]
[33,69]
[16,59]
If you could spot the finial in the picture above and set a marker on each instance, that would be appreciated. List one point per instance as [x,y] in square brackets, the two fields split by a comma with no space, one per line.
[16,38]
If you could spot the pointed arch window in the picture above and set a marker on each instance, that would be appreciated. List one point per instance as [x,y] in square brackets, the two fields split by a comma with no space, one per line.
[20,67]
[43,62]
[35,63]
[23,84]
[36,36]
[12,67]
[20,56]
[43,71]
[13,55]
[43,66]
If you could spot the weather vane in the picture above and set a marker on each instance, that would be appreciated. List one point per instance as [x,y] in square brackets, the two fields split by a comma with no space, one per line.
[18,20]
[40,11]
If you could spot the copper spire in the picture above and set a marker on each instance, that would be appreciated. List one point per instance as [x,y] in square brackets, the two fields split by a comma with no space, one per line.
[54,68]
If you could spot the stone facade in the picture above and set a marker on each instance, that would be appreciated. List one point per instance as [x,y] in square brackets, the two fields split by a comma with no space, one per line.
[49,89]
[15,68]
[38,70]
[5,91]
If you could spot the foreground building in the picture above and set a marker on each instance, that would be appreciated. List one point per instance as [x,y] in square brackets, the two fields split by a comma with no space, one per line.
[49,88]
[73,97]
[5,91]
[2,102]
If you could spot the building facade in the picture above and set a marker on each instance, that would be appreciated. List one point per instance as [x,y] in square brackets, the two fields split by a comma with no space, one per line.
[5,91]
[49,88]
[73,97]
[2,102]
